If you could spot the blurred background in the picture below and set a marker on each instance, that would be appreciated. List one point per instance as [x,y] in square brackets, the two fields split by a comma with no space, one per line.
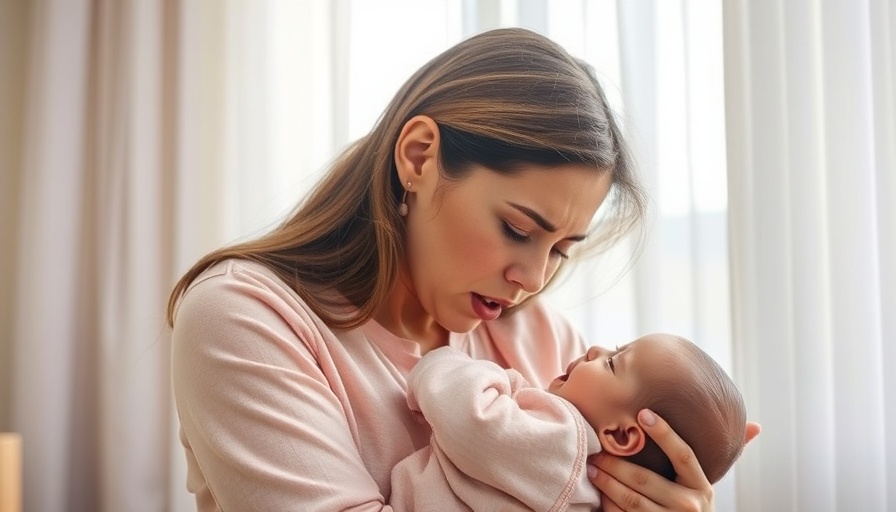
[136,135]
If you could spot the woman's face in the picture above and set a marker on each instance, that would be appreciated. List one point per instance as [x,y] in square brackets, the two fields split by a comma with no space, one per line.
[489,241]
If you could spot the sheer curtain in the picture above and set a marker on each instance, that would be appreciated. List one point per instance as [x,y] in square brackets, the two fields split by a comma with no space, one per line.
[812,169]
[89,87]
[135,136]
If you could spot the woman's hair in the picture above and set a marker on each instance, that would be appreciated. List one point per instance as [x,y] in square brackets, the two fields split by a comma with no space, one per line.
[702,405]
[501,99]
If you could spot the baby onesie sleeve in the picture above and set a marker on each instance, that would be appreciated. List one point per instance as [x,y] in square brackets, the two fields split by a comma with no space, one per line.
[497,443]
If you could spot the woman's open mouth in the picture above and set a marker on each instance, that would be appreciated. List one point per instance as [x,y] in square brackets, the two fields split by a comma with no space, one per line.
[484,308]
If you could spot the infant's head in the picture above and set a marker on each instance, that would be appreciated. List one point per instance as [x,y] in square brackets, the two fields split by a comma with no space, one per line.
[670,376]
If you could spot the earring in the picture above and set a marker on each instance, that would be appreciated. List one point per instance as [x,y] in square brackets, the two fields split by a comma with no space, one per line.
[403,206]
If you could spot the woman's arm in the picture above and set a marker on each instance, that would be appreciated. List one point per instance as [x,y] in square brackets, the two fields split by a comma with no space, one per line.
[626,486]
[260,422]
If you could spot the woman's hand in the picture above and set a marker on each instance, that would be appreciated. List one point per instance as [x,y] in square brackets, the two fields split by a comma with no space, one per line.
[625,486]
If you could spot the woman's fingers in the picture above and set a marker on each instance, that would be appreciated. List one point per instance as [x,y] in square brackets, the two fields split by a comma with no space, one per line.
[606,505]
[686,465]
[753,430]
[626,485]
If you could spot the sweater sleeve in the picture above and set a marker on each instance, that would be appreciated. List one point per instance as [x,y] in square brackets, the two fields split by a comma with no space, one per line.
[261,425]
[499,443]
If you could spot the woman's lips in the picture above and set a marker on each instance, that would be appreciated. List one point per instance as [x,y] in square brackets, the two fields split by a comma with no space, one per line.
[484,308]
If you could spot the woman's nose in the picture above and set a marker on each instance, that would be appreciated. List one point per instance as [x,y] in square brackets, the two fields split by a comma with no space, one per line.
[531,275]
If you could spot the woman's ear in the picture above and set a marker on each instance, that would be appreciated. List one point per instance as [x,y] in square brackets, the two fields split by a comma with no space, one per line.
[622,439]
[417,149]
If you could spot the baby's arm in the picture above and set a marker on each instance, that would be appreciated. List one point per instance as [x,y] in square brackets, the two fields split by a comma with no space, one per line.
[493,432]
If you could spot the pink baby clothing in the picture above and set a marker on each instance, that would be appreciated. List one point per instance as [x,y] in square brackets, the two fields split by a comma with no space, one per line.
[280,412]
[497,443]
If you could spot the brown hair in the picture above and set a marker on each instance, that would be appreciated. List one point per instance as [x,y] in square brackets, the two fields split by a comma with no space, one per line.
[702,405]
[500,99]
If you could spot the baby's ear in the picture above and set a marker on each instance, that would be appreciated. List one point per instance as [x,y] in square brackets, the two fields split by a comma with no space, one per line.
[622,439]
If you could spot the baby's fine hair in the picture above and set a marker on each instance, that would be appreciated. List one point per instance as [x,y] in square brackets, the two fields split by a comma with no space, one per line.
[702,405]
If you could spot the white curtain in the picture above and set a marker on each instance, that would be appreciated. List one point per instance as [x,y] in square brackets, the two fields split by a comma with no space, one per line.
[136,135]
[812,170]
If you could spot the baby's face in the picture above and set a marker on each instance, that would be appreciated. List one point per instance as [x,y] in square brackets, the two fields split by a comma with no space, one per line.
[603,383]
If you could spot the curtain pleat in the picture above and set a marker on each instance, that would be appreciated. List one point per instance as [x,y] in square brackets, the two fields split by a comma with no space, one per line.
[14,21]
[809,106]
[855,279]
[882,16]
[49,313]
[89,375]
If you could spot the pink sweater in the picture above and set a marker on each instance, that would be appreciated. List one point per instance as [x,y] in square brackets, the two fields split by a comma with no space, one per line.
[497,444]
[280,412]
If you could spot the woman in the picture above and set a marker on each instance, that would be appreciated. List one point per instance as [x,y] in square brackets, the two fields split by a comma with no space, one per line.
[440,227]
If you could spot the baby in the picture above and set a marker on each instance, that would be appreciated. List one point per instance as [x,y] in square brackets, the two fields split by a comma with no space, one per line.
[500,444]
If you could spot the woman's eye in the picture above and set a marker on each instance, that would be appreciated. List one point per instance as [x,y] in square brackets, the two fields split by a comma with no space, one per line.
[515,234]
[518,235]
[611,364]
[560,253]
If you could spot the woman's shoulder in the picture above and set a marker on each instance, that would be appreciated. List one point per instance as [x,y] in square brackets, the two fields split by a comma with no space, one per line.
[236,269]
[233,279]
[235,288]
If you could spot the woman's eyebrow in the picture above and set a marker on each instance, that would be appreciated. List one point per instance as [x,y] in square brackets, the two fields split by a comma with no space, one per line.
[542,222]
